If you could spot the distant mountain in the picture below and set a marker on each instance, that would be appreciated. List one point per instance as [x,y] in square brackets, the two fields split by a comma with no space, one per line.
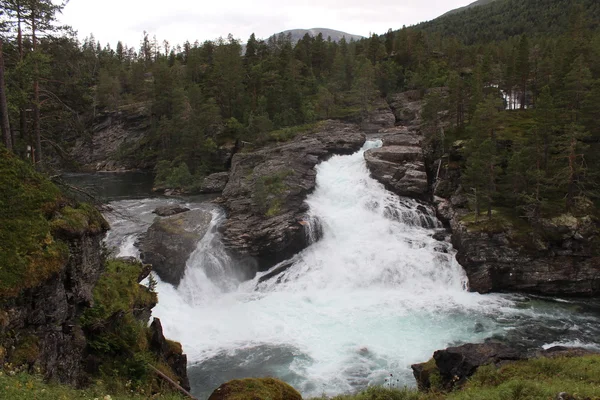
[474,4]
[336,36]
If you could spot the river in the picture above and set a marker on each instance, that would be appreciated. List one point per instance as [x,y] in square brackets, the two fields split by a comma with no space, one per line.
[376,294]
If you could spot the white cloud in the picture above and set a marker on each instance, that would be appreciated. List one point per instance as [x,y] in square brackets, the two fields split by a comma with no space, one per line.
[181,20]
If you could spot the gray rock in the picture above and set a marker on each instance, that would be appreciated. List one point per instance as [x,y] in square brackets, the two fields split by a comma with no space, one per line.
[380,118]
[215,183]
[169,354]
[167,211]
[266,190]
[401,169]
[169,242]
[111,132]
[456,364]
[49,314]
[407,107]
[508,261]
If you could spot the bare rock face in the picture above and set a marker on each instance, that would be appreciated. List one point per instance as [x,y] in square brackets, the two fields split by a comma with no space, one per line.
[169,352]
[46,318]
[407,107]
[110,132]
[380,118]
[557,258]
[215,183]
[265,194]
[400,168]
[170,241]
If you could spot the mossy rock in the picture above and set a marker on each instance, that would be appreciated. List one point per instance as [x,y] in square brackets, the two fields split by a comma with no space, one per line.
[255,389]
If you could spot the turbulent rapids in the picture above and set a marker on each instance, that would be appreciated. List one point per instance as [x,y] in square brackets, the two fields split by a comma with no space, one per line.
[375,294]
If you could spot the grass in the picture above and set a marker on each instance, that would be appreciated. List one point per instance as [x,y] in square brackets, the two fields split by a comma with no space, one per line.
[542,378]
[22,386]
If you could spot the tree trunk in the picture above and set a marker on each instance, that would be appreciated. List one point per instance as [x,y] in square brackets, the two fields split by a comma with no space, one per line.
[36,97]
[6,133]
[22,112]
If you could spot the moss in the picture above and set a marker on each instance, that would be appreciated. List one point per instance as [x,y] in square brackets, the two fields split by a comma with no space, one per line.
[29,254]
[75,221]
[115,337]
[118,291]
[27,351]
[270,192]
[254,389]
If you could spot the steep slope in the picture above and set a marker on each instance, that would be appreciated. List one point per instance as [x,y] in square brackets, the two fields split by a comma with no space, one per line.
[502,19]
[474,4]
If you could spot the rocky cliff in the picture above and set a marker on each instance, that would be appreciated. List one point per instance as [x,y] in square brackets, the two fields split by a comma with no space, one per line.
[265,194]
[65,309]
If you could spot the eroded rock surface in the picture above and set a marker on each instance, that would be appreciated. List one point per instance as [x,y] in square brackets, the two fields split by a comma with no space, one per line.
[215,183]
[555,258]
[381,117]
[400,165]
[265,194]
[170,241]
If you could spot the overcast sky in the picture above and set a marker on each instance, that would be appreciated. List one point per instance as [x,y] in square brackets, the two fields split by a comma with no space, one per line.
[180,20]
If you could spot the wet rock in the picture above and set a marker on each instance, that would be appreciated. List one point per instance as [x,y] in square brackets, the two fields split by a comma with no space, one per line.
[455,364]
[170,241]
[169,352]
[562,351]
[401,169]
[255,388]
[167,211]
[380,118]
[215,183]
[265,194]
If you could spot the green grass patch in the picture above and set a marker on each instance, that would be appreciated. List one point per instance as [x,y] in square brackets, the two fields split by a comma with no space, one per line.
[22,386]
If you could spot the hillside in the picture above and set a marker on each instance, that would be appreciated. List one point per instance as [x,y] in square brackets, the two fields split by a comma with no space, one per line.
[474,4]
[503,19]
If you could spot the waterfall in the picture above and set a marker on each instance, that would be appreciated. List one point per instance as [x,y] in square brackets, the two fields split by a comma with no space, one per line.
[373,293]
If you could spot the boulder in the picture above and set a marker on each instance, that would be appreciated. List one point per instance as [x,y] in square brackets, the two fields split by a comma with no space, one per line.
[454,365]
[265,194]
[170,241]
[167,211]
[255,388]
[214,183]
[450,368]
[401,169]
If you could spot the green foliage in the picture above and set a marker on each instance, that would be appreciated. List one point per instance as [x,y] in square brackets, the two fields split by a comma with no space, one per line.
[29,254]
[114,333]
[23,386]
[270,192]
[172,175]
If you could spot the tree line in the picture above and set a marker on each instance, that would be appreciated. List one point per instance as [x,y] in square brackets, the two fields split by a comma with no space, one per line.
[534,154]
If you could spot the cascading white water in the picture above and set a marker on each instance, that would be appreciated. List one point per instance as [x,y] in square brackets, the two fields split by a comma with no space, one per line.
[374,295]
